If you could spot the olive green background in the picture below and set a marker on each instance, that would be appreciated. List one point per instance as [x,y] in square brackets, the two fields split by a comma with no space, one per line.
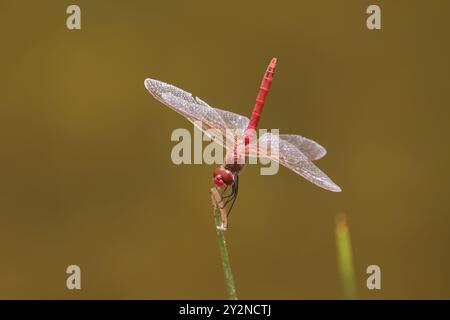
[87,179]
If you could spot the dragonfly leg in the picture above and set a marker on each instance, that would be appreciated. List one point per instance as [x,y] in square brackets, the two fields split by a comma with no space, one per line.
[236,189]
[230,197]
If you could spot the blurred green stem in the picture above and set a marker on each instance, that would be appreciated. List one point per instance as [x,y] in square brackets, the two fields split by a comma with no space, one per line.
[345,259]
[223,248]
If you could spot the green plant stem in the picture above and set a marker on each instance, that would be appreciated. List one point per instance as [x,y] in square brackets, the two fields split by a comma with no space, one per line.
[345,259]
[225,257]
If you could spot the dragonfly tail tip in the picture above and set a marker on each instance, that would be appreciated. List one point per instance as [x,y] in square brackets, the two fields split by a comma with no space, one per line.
[273,62]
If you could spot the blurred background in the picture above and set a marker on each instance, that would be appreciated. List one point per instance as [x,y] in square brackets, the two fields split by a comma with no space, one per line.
[87,179]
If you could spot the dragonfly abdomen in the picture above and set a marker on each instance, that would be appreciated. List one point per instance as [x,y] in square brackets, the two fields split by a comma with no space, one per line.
[260,99]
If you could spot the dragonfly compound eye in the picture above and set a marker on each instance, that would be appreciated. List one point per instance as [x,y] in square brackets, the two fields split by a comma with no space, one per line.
[223,177]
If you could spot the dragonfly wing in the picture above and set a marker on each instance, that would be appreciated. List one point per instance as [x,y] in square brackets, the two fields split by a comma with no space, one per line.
[293,158]
[192,108]
[311,172]
[234,121]
[308,147]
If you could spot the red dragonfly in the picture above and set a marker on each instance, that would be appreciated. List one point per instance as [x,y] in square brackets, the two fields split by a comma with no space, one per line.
[294,152]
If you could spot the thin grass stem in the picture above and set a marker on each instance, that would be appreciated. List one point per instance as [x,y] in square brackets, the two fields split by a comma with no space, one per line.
[221,224]
[345,258]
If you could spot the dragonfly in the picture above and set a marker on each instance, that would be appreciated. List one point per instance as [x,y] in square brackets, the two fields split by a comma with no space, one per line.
[294,152]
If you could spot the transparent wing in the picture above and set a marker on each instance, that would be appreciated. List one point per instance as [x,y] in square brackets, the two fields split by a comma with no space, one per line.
[234,121]
[289,155]
[308,147]
[197,110]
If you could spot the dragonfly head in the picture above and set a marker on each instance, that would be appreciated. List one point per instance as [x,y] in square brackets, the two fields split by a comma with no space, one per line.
[222,177]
